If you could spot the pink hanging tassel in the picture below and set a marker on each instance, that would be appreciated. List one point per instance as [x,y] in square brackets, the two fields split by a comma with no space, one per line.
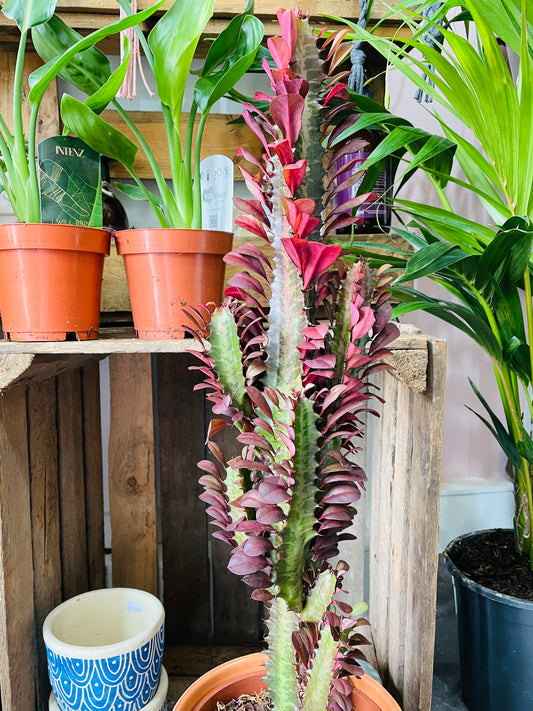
[128,90]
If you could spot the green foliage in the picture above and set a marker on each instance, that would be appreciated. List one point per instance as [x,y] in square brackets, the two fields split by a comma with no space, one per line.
[485,269]
[170,51]
[18,174]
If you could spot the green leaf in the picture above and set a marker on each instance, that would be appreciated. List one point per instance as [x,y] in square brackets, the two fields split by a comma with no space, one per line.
[134,192]
[43,77]
[508,255]
[87,71]
[29,13]
[498,429]
[173,43]
[235,48]
[431,259]
[97,133]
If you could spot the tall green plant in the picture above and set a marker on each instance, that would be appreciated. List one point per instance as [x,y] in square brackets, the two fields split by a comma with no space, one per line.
[170,50]
[18,172]
[487,269]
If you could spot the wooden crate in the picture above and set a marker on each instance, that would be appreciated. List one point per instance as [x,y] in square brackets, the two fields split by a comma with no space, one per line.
[52,514]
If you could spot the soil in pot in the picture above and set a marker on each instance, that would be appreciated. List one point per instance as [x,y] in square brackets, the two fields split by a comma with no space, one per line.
[490,559]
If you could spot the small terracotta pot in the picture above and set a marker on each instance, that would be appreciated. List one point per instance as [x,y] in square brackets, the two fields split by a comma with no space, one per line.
[50,281]
[243,676]
[168,269]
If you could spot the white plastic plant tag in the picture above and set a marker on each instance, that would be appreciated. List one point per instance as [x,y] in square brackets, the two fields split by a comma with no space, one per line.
[216,178]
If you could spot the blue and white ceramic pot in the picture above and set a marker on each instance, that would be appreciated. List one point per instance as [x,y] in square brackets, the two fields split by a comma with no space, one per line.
[104,650]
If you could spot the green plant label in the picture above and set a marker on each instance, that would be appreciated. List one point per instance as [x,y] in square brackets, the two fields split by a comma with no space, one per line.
[70,183]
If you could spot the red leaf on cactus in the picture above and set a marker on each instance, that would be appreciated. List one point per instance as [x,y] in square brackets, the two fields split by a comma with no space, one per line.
[280,51]
[270,513]
[286,111]
[252,184]
[256,545]
[337,89]
[257,580]
[261,595]
[310,258]
[288,25]
[247,155]
[252,224]
[242,564]
[294,175]
[283,150]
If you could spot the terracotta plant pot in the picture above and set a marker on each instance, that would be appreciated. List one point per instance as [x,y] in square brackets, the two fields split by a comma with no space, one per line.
[50,281]
[243,676]
[168,269]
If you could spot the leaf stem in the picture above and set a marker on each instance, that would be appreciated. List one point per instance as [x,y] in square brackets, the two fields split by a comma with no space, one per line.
[164,192]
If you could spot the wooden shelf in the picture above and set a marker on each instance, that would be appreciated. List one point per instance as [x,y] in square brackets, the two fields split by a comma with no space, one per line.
[26,362]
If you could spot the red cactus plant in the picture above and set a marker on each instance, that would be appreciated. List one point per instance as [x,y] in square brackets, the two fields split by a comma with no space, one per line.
[290,353]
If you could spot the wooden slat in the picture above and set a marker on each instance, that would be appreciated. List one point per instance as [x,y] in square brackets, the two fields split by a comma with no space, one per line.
[132,487]
[263,8]
[405,487]
[48,124]
[18,659]
[30,367]
[183,521]
[94,489]
[45,515]
[219,137]
[237,618]
[73,514]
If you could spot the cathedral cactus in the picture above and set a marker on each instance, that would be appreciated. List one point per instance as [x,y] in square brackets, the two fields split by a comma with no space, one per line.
[290,353]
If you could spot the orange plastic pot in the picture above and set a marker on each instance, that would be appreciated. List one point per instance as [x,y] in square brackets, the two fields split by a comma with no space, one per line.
[168,269]
[243,676]
[50,281]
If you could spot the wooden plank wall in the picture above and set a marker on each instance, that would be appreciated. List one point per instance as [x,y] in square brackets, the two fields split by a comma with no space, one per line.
[51,519]
[405,456]
[204,601]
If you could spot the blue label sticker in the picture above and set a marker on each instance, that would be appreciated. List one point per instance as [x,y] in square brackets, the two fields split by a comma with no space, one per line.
[132,606]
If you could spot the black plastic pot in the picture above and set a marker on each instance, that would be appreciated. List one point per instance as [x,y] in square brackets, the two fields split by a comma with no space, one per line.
[495,644]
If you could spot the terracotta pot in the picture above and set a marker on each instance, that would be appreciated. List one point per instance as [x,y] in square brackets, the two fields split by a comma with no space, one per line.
[168,269]
[50,281]
[243,676]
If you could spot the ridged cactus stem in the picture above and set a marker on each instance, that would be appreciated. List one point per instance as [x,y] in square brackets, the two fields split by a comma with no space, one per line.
[281,675]
[287,307]
[308,65]
[318,686]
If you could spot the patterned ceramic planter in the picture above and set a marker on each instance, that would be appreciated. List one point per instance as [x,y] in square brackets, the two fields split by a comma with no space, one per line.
[104,650]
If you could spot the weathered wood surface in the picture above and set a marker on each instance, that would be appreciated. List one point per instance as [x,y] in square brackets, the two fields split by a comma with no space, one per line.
[406,449]
[132,486]
[48,124]
[115,292]
[238,618]
[94,487]
[263,8]
[17,612]
[45,515]
[219,137]
[71,490]
[185,540]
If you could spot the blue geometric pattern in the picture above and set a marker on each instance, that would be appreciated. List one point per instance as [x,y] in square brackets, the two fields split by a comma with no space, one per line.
[122,683]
